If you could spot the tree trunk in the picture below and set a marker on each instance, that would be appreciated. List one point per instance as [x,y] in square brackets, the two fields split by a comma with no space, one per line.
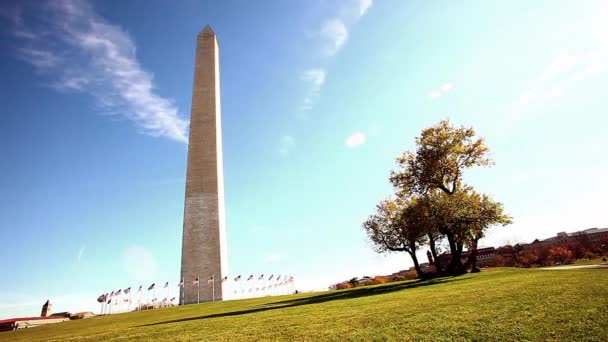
[455,267]
[472,260]
[416,264]
[438,268]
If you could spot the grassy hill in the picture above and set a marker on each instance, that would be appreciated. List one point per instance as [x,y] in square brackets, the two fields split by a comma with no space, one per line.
[500,304]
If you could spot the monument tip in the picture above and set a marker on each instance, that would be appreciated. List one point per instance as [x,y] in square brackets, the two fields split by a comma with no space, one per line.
[207,30]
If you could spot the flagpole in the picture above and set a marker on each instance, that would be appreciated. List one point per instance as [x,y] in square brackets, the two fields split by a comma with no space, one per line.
[198,294]
[182,294]
[213,289]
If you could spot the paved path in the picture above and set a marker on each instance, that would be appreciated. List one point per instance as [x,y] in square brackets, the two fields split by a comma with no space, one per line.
[573,267]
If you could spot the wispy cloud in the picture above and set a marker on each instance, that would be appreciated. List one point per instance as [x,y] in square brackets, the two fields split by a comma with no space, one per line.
[315,78]
[81,51]
[442,90]
[81,252]
[39,58]
[355,139]
[364,6]
[286,145]
[334,34]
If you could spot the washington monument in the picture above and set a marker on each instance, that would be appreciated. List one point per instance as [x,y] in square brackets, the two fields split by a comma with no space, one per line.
[204,250]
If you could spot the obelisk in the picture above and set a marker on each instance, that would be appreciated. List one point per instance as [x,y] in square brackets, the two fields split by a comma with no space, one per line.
[204,250]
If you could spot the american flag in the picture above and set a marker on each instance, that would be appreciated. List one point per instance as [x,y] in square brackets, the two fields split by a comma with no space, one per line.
[117,292]
[151,286]
[271,276]
[139,290]
[210,280]
[225,279]
[250,277]
[279,277]
[128,290]
[172,299]
[181,284]
[237,278]
[110,301]
[112,294]
[195,281]
[261,276]
[166,284]
[102,298]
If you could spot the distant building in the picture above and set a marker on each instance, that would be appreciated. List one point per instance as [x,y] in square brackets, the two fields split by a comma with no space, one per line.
[485,257]
[591,235]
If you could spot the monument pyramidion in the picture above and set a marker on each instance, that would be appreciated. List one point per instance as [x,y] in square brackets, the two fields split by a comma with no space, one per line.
[204,246]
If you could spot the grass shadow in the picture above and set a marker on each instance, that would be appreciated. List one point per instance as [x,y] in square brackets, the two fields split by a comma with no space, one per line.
[322,298]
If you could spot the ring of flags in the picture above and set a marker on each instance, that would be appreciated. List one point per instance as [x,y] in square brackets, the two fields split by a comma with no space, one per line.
[262,285]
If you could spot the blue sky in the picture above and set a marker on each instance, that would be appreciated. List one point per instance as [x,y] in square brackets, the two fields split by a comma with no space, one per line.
[318,98]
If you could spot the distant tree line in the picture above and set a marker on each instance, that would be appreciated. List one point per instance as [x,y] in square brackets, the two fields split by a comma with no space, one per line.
[518,255]
[539,254]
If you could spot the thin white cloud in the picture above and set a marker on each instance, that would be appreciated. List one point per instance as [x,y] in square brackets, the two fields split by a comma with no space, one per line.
[81,51]
[355,139]
[39,58]
[286,145]
[139,263]
[442,90]
[315,78]
[334,34]
[81,251]
[364,6]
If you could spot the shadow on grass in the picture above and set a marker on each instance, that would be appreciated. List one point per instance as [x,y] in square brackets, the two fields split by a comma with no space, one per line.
[336,295]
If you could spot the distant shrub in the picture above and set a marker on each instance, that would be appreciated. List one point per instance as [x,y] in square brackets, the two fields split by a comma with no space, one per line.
[343,286]
[410,274]
[527,258]
[560,255]
[379,280]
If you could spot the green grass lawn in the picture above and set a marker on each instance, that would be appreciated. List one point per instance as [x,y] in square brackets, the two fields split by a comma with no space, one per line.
[499,304]
[595,261]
